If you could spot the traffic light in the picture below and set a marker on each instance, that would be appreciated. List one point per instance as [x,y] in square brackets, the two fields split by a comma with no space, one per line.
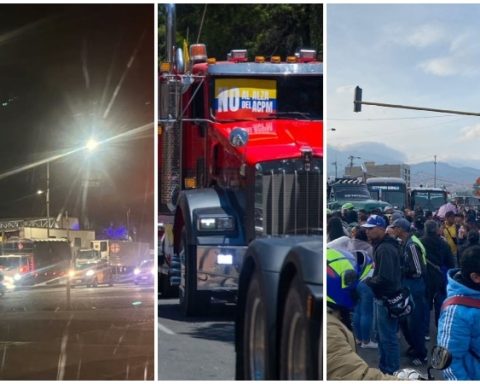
[357,100]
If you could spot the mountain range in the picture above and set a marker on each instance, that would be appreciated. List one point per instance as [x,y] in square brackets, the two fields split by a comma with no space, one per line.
[455,176]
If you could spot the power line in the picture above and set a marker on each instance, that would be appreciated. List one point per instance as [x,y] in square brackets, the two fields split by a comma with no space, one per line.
[390,118]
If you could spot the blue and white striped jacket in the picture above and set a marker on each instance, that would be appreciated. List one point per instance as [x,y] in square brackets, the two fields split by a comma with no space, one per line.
[459,332]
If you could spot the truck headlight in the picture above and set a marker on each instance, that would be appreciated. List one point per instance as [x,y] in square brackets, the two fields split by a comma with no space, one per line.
[225,258]
[136,271]
[17,277]
[90,272]
[222,223]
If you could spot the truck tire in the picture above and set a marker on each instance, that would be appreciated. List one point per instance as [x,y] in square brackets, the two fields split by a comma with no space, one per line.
[254,338]
[297,347]
[192,302]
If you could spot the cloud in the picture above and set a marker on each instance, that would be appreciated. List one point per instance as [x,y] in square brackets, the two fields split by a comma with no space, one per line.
[461,58]
[470,133]
[425,35]
[442,66]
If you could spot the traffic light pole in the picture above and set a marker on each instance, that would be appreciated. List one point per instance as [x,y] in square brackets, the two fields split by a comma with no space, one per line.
[357,106]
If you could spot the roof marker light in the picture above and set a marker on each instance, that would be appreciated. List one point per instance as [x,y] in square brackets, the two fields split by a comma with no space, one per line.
[165,67]
[198,53]
[307,55]
[238,55]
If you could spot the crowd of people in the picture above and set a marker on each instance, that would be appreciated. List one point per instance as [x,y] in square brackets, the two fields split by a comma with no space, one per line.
[386,273]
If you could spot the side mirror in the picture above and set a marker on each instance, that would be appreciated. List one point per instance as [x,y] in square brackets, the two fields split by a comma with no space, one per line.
[441,358]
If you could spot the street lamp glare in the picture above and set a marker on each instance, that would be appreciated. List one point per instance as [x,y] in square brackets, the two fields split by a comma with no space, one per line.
[39,192]
[92,144]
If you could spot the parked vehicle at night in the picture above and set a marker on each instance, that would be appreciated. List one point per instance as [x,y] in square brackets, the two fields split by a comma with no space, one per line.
[240,158]
[90,269]
[123,256]
[145,273]
[36,261]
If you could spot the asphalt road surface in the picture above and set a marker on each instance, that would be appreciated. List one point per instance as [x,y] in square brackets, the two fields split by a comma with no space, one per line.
[107,334]
[371,356]
[197,348]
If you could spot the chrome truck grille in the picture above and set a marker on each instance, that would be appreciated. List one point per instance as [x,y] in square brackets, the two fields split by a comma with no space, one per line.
[288,198]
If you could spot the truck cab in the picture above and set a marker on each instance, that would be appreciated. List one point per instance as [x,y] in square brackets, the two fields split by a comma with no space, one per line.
[90,269]
[248,164]
[355,191]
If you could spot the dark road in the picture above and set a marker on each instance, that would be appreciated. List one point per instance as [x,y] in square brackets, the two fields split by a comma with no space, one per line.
[108,334]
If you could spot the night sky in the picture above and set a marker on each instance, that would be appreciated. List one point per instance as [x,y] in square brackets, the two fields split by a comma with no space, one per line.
[60,67]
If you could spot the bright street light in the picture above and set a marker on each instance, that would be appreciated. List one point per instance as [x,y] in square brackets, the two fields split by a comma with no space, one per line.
[40,192]
[91,144]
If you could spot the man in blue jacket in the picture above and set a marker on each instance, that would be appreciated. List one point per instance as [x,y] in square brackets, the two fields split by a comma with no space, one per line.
[459,324]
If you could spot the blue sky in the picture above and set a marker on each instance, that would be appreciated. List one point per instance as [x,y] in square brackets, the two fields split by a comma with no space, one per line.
[410,54]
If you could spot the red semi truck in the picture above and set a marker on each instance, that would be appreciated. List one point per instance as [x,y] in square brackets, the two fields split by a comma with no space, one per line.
[240,198]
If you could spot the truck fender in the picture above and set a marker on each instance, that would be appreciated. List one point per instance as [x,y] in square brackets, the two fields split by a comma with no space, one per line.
[307,259]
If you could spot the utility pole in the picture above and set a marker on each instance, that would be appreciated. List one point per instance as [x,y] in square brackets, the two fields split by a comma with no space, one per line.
[47,198]
[435,171]
[335,164]
[70,265]
[351,158]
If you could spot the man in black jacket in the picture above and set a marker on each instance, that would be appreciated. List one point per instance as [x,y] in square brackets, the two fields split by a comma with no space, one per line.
[385,283]
[439,260]
[414,261]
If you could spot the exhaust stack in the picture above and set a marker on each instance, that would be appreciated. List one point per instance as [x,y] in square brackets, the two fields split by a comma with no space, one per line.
[170,107]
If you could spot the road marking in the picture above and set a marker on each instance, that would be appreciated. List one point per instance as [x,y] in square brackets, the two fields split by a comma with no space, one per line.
[165,329]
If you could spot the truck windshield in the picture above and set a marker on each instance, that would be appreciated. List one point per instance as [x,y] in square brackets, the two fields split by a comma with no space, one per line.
[293,97]
[430,200]
[351,192]
[91,254]
[394,194]
[11,262]
[394,198]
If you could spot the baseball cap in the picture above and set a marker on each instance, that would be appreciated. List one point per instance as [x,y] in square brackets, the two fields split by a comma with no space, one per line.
[375,221]
[397,215]
[402,223]
[347,206]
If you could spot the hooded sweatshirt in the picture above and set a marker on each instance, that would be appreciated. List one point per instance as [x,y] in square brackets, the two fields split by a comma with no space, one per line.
[458,331]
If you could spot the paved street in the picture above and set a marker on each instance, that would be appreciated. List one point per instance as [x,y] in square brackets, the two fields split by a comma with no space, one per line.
[371,356]
[108,334]
[198,348]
